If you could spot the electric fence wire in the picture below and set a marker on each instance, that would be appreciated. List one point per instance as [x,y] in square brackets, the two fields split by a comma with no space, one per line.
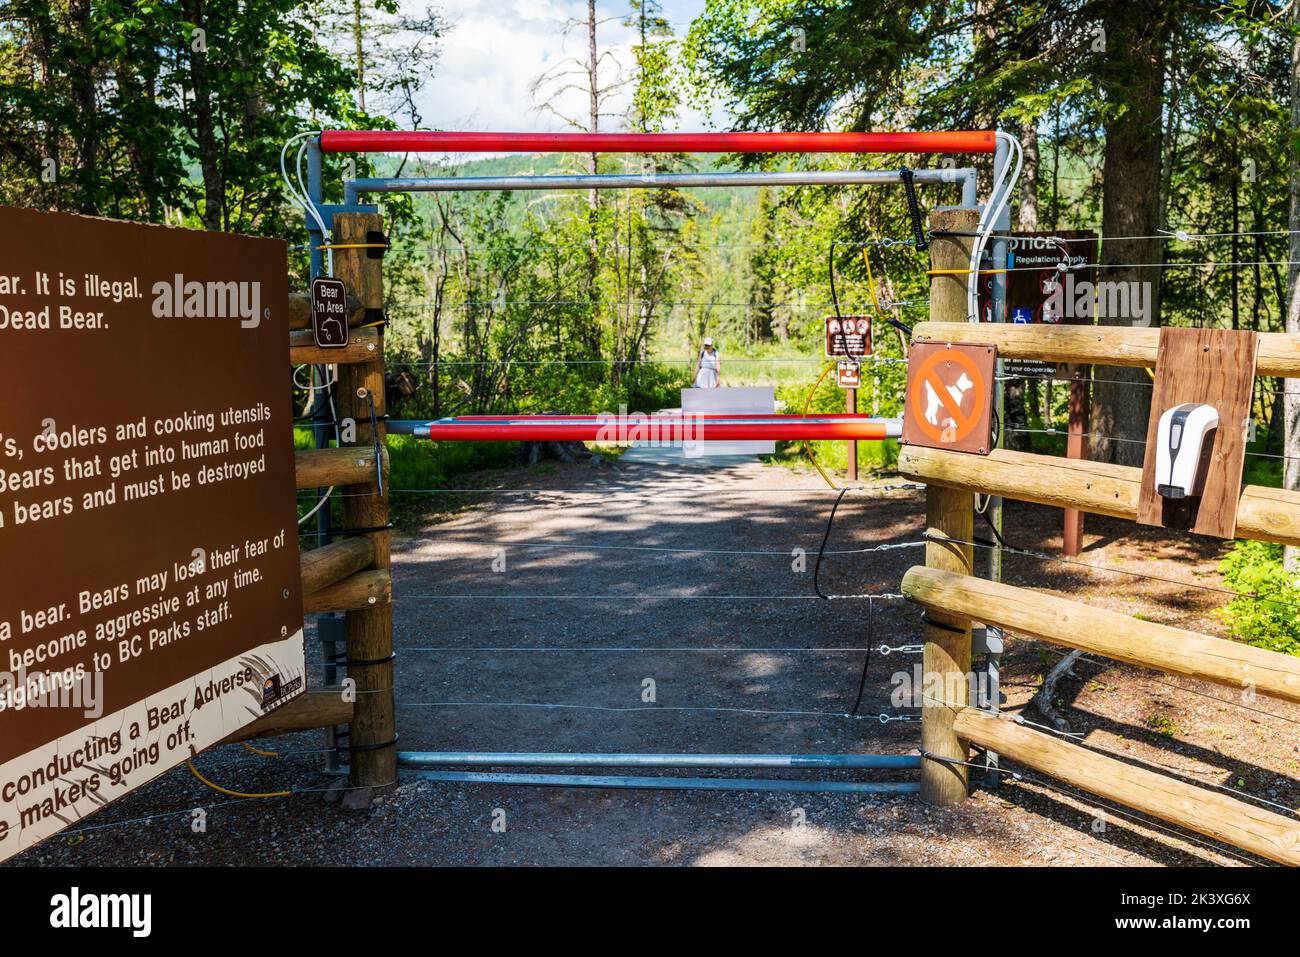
[588,546]
[630,494]
[1026,553]
[702,649]
[1106,665]
[869,360]
[1126,759]
[882,717]
[1143,820]
[1102,437]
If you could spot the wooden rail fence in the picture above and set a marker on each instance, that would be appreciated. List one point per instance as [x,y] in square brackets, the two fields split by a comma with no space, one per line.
[953,598]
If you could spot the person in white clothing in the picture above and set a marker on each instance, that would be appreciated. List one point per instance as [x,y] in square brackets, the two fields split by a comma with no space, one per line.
[708,367]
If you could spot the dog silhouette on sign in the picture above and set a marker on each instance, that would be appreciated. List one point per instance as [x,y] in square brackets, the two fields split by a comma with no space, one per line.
[933,404]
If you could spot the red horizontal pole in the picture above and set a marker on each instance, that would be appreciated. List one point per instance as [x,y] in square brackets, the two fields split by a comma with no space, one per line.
[662,429]
[428,141]
[707,416]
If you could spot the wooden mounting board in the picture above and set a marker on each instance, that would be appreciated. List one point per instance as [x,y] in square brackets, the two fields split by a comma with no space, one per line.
[1217,367]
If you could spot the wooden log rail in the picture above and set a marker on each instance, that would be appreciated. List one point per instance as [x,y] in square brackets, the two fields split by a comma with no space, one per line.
[1265,514]
[1096,630]
[1135,346]
[364,345]
[329,564]
[1206,812]
[350,465]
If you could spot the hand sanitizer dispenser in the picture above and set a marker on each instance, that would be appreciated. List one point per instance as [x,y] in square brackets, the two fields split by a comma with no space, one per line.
[1183,443]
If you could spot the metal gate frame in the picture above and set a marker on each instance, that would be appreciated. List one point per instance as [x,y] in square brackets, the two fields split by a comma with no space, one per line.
[430,764]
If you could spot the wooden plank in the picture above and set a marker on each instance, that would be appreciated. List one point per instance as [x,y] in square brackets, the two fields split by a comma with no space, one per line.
[1265,514]
[300,310]
[362,590]
[322,567]
[1077,625]
[363,346]
[1211,813]
[314,708]
[350,465]
[1279,352]
[369,630]
[1215,367]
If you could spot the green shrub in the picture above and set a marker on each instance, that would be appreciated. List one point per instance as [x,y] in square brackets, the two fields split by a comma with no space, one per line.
[1265,614]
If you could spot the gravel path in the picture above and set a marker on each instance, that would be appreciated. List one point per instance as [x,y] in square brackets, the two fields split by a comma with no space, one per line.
[688,577]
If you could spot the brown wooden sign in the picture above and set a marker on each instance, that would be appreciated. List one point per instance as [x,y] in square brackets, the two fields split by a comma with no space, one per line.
[329,313]
[1215,367]
[150,599]
[1051,279]
[949,402]
[848,336]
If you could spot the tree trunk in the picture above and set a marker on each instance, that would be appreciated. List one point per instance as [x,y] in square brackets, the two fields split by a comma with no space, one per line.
[357,37]
[1291,399]
[83,94]
[205,134]
[1135,45]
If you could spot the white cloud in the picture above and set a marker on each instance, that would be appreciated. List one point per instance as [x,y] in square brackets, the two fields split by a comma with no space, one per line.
[496,50]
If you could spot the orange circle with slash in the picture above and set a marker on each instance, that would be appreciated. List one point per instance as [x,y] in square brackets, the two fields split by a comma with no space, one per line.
[963,424]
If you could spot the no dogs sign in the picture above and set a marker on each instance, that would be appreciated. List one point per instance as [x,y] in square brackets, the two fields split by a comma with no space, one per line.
[949,402]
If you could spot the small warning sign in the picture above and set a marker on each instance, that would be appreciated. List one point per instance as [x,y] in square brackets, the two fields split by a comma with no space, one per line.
[329,313]
[949,402]
[848,336]
[849,374]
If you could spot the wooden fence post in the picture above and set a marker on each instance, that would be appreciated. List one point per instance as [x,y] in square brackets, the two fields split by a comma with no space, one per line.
[372,734]
[949,513]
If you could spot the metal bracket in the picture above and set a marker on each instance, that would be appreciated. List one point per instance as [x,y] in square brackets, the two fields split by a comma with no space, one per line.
[332,631]
[987,640]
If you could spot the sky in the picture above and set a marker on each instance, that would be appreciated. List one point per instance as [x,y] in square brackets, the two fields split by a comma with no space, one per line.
[496,49]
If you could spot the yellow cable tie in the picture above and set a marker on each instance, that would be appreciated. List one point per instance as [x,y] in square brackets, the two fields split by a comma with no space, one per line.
[238,794]
[1151,372]
[266,754]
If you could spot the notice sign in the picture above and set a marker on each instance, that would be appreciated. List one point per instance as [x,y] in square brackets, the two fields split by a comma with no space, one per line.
[329,313]
[150,598]
[1051,279]
[848,336]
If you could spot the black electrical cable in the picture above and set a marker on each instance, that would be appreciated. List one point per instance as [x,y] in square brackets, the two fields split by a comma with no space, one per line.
[817,567]
[835,299]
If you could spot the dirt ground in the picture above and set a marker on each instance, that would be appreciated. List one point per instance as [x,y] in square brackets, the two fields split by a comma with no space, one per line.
[534,619]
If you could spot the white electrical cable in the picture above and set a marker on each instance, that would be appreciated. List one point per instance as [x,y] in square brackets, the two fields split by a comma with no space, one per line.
[334,377]
[299,192]
[338,438]
[999,199]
